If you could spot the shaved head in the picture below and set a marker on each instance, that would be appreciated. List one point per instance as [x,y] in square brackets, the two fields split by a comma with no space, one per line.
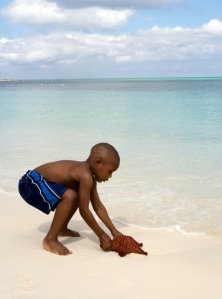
[104,150]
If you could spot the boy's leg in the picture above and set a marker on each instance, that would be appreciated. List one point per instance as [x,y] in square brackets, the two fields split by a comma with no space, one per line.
[62,215]
[65,231]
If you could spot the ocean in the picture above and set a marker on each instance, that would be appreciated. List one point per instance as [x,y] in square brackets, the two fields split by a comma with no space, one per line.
[168,132]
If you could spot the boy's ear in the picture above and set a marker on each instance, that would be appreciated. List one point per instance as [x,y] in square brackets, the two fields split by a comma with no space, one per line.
[98,161]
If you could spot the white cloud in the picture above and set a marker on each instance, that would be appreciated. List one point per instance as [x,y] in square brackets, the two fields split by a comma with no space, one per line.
[169,49]
[156,44]
[214,26]
[3,40]
[41,12]
[36,12]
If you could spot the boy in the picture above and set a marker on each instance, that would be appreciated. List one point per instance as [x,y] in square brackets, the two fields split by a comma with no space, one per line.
[65,186]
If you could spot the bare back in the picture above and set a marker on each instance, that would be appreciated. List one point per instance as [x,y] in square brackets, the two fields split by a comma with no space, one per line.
[66,172]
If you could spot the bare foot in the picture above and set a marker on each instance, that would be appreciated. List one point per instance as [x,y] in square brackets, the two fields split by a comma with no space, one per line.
[69,233]
[55,247]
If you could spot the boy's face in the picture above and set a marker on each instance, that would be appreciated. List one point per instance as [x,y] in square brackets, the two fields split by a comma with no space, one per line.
[104,169]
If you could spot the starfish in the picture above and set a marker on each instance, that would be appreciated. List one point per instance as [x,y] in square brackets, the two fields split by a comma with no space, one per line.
[126,244]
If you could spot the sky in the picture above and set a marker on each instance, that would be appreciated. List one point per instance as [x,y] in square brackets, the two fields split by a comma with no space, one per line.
[62,39]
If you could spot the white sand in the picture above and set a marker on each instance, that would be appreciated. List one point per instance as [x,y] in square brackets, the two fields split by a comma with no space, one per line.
[177,267]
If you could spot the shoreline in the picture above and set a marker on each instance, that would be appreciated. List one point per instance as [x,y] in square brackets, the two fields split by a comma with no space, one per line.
[175,228]
[172,228]
[177,265]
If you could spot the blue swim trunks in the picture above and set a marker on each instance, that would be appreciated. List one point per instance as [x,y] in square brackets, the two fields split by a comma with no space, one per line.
[39,192]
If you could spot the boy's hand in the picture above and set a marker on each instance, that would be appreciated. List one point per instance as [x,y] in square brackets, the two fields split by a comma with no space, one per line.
[116,233]
[105,242]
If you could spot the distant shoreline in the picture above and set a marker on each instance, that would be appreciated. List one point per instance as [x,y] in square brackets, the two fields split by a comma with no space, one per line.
[203,78]
[5,80]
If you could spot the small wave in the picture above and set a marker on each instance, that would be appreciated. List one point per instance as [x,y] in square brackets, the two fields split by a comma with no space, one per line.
[171,228]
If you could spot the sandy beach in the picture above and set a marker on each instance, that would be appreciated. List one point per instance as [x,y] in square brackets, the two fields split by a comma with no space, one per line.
[178,266]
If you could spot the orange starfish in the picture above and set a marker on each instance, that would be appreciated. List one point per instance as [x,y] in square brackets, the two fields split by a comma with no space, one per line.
[126,244]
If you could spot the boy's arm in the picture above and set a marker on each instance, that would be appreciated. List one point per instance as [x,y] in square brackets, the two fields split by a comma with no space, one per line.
[101,211]
[85,187]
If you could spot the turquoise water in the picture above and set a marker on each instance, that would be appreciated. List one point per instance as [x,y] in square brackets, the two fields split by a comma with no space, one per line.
[168,133]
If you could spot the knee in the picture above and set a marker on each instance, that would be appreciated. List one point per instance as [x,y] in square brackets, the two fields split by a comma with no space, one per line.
[70,196]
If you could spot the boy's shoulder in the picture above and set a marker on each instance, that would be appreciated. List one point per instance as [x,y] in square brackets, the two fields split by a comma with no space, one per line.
[81,169]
